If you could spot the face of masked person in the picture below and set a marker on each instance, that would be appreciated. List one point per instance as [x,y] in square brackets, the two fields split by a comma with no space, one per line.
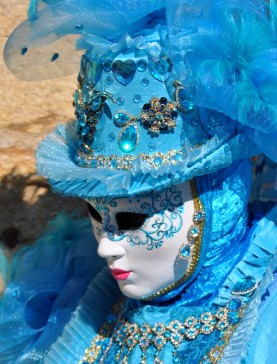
[143,238]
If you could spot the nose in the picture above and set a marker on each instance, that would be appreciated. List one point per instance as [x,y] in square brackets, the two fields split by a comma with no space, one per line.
[108,248]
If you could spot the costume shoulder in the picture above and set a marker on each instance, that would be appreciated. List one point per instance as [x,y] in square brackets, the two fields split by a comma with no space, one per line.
[46,286]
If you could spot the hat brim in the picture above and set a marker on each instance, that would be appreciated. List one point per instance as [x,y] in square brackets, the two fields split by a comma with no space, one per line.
[56,161]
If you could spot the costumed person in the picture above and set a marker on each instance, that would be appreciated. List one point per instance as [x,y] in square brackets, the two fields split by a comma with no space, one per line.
[173,98]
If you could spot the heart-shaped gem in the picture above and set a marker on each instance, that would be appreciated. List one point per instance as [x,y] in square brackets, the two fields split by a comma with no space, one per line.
[124,72]
[160,69]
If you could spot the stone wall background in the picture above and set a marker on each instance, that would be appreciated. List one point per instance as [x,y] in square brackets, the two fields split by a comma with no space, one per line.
[29,110]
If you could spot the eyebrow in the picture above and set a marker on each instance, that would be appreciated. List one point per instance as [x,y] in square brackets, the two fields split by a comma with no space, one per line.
[130,220]
[94,214]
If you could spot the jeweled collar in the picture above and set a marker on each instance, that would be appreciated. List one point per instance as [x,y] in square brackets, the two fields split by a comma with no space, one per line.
[182,334]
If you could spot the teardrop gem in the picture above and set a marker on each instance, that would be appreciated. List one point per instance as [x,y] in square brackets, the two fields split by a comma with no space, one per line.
[185,252]
[245,286]
[95,103]
[160,69]
[128,139]
[94,72]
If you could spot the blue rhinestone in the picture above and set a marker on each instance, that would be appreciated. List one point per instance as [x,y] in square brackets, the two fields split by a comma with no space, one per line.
[107,65]
[159,341]
[111,137]
[141,65]
[234,304]
[160,69]
[185,252]
[121,119]
[194,231]
[94,72]
[176,359]
[198,216]
[186,104]
[158,161]
[95,103]
[124,72]
[151,147]
[85,131]
[245,284]
[137,98]
[120,101]
[109,80]
[128,139]
[145,82]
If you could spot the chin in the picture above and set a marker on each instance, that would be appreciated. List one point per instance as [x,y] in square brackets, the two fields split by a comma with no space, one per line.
[132,291]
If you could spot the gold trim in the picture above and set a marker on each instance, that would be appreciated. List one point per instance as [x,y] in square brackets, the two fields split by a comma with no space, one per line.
[156,160]
[216,353]
[198,206]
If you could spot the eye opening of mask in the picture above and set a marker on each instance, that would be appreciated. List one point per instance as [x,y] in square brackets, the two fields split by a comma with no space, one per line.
[94,214]
[130,220]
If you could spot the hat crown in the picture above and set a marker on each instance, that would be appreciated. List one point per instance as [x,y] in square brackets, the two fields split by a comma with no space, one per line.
[131,109]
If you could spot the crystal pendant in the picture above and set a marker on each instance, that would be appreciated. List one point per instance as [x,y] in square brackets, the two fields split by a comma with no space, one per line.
[124,72]
[94,72]
[160,69]
[245,286]
[128,138]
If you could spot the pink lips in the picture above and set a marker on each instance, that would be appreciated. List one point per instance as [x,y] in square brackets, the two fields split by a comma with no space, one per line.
[120,274]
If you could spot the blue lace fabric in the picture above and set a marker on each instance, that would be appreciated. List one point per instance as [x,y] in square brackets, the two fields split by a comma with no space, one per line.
[57,272]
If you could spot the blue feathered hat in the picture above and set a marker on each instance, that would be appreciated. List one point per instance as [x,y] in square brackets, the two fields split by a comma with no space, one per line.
[167,90]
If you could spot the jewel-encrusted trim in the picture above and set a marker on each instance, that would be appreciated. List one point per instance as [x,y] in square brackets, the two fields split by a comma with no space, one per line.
[128,335]
[196,241]
[126,162]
